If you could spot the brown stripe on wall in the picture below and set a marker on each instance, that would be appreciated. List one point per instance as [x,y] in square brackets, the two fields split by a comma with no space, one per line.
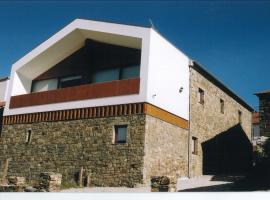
[94,112]
[165,116]
[77,93]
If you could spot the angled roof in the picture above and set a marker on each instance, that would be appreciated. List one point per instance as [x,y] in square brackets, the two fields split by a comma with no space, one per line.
[221,85]
[263,92]
[72,37]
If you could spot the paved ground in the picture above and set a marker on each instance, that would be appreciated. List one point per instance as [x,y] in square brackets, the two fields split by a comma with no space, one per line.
[206,183]
[203,183]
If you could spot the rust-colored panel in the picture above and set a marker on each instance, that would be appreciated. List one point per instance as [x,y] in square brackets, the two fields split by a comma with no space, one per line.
[165,116]
[89,91]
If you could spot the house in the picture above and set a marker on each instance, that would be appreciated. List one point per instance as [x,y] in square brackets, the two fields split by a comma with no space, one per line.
[124,103]
[264,104]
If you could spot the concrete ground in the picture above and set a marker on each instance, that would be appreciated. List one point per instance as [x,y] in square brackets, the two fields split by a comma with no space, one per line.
[204,183]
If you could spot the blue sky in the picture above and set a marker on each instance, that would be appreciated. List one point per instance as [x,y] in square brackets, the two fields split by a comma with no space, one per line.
[230,39]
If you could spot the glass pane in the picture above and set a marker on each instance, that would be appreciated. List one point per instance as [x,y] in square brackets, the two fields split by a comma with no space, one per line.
[106,75]
[121,134]
[70,81]
[130,72]
[45,85]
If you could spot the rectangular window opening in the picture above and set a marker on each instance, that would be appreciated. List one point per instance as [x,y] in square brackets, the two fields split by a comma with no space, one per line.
[70,81]
[222,106]
[239,116]
[28,136]
[120,134]
[201,96]
[194,146]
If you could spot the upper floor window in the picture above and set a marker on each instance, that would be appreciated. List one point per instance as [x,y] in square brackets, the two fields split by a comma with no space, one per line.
[201,96]
[239,116]
[130,72]
[106,75]
[70,81]
[45,85]
[222,106]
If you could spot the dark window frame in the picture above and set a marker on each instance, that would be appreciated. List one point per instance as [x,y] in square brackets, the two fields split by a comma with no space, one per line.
[70,76]
[239,116]
[28,136]
[201,96]
[194,145]
[222,105]
[116,127]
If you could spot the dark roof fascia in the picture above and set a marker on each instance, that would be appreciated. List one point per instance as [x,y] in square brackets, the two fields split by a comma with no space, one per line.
[4,79]
[196,66]
[259,94]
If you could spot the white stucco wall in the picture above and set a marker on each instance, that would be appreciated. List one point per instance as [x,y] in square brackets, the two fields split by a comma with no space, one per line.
[3,90]
[168,72]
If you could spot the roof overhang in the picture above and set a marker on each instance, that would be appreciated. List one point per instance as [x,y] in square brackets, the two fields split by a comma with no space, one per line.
[71,38]
[195,65]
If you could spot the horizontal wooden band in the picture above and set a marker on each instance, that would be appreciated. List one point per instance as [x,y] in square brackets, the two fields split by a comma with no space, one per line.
[165,116]
[96,112]
[75,114]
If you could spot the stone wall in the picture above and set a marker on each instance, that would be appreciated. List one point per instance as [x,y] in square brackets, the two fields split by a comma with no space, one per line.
[166,149]
[66,146]
[207,121]
[264,114]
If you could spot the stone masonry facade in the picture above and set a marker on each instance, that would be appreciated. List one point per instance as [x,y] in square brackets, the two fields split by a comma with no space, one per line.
[66,146]
[264,104]
[153,147]
[166,149]
[207,121]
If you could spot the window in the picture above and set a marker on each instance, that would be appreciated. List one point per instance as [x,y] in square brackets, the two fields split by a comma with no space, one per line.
[106,75]
[120,134]
[201,96]
[130,72]
[194,146]
[28,136]
[222,106]
[44,85]
[70,81]
[239,116]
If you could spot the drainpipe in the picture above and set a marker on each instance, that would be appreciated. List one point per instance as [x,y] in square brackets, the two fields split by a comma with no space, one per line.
[189,127]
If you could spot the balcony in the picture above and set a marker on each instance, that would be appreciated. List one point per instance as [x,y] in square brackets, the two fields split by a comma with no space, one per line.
[76,93]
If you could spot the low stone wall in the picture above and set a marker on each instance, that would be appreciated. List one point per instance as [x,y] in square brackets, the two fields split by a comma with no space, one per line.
[64,147]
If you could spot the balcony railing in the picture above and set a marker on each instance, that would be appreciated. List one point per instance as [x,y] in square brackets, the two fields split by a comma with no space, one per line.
[82,92]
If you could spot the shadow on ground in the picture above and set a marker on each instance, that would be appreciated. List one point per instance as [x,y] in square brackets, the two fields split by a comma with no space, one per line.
[212,188]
